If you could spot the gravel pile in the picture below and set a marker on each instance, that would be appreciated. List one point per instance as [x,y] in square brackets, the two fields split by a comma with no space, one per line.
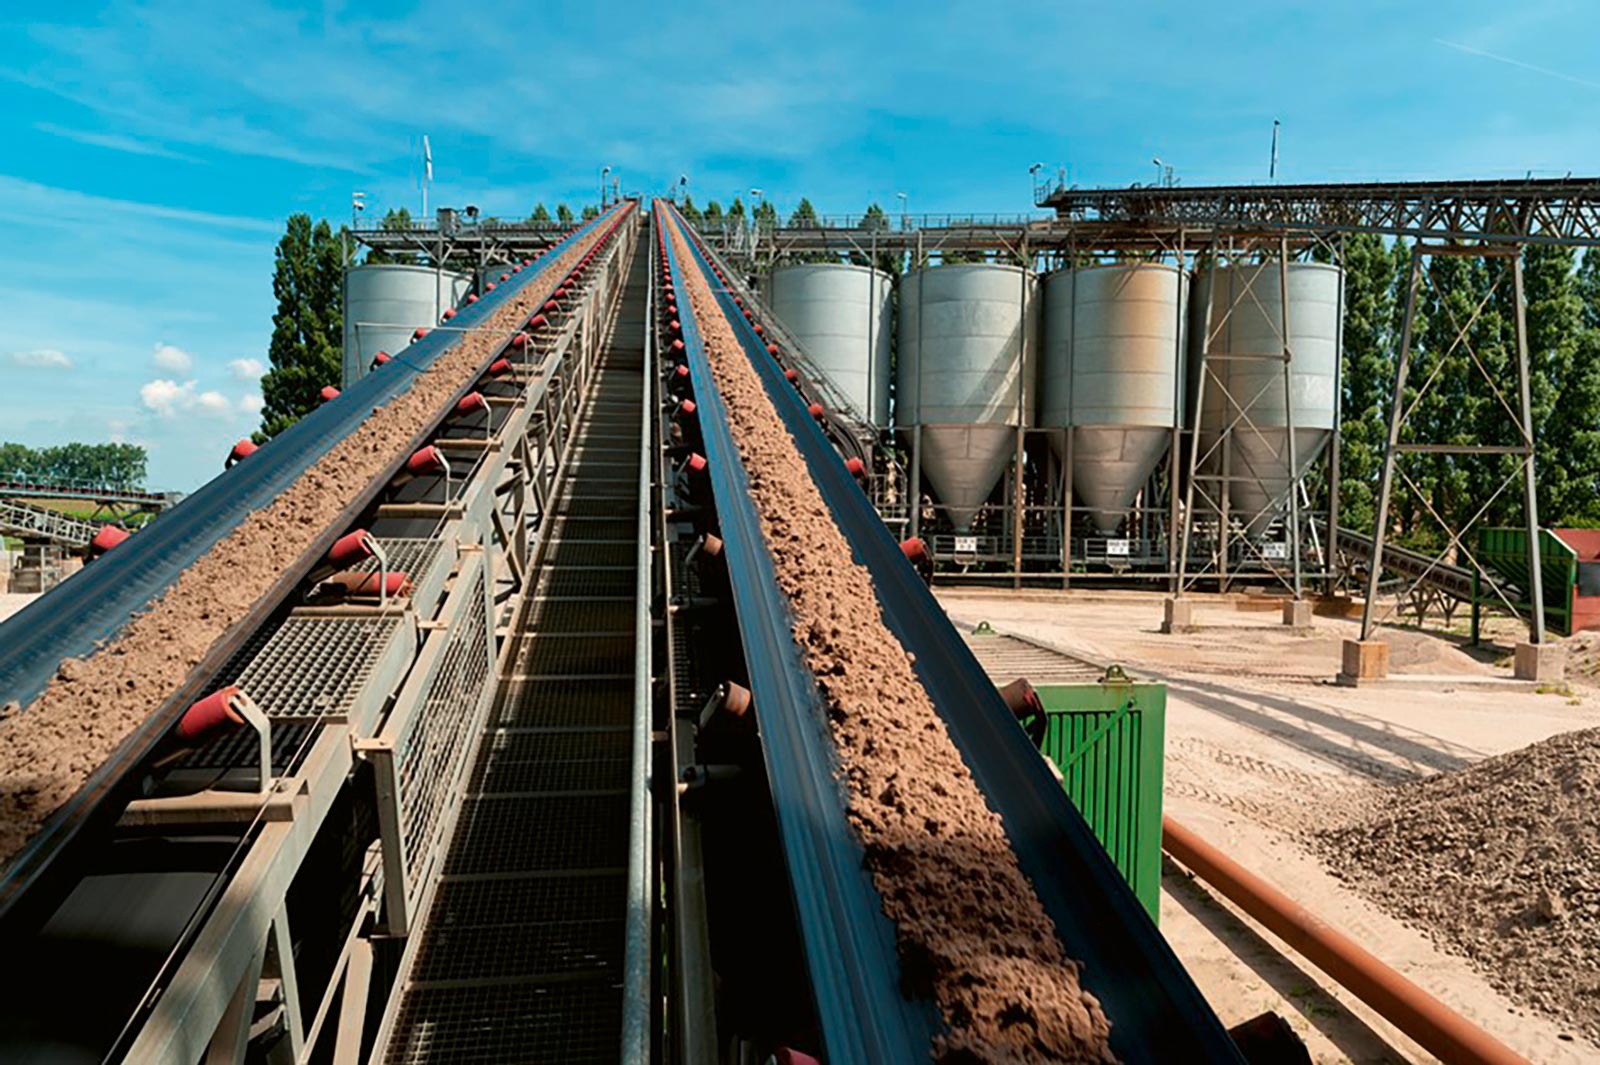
[1499,862]
[50,749]
[971,932]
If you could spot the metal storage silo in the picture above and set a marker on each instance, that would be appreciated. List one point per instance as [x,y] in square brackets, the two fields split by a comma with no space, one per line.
[383,304]
[840,315]
[964,333]
[1113,360]
[1239,316]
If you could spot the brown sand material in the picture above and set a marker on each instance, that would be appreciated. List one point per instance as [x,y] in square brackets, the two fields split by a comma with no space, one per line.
[50,750]
[1499,862]
[971,931]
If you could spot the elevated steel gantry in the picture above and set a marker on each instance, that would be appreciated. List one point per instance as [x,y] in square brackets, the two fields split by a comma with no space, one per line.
[1494,219]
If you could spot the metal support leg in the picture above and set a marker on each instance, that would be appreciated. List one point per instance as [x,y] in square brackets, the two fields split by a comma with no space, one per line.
[1066,510]
[280,963]
[916,480]
[1292,457]
[1396,413]
[1530,484]
[228,1044]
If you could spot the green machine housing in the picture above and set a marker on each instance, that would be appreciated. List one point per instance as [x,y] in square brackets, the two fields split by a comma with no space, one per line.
[1107,739]
[1569,568]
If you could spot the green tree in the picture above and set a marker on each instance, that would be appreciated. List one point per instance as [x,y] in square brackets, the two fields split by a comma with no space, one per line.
[563,214]
[540,216]
[766,216]
[1371,283]
[804,216]
[713,215]
[1565,379]
[590,211]
[736,211]
[395,220]
[691,212]
[106,465]
[307,327]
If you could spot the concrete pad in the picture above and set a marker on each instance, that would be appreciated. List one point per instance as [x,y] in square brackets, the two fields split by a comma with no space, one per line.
[1177,616]
[1542,662]
[1364,660]
[1297,614]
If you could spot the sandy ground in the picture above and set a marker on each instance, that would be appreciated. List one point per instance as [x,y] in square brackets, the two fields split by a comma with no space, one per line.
[11,602]
[1260,747]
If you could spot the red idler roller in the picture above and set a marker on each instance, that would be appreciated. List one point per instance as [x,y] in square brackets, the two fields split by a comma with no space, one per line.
[1021,698]
[678,349]
[396,583]
[520,342]
[328,393]
[791,375]
[730,704]
[685,409]
[675,327]
[857,468]
[551,306]
[817,411]
[449,313]
[749,315]
[427,460]
[210,714]
[527,262]
[517,269]
[791,1056]
[241,451]
[108,537]
[758,329]
[504,278]
[538,321]
[562,292]
[471,402]
[420,332]
[678,380]
[379,359]
[489,287]
[499,367]
[914,549]
[472,297]
[772,349]
[738,301]
[695,464]
[350,549]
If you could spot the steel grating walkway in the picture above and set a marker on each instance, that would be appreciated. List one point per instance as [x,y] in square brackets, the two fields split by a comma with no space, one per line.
[522,953]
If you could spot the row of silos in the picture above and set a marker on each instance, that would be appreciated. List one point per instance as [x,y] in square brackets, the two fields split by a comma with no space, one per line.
[1115,360]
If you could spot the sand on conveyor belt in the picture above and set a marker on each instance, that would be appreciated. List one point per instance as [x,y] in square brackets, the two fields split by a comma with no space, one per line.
[971,932]
[1500,862]
[50,749]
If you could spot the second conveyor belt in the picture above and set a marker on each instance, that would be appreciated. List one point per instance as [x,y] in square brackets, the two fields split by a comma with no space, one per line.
[1157,1013]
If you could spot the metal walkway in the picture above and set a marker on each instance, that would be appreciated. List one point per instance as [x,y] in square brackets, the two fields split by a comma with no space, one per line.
[39,523]
[522,953]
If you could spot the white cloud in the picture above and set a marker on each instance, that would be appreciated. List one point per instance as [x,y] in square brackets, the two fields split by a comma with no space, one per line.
[40,359]
[246,369]
[168,399]
[250,403]
[174,359]
[115,142]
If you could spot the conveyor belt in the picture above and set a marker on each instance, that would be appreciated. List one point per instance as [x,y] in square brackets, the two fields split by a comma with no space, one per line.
[1156,1011]
[521,957]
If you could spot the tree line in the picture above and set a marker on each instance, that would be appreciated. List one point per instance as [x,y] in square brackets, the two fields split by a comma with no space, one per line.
[103,465]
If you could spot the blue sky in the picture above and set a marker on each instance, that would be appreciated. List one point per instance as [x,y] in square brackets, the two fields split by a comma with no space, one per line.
[153,150]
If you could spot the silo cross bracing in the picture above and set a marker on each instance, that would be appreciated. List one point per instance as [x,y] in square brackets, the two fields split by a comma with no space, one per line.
[964,333]
[385,303]
[1239,324]
[839,314]
[1111,372]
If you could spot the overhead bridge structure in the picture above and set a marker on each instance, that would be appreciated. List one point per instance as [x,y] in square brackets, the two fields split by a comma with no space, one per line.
[465,722]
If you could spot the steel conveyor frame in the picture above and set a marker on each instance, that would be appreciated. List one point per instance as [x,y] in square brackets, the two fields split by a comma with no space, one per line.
[95,604]
[1157,1013]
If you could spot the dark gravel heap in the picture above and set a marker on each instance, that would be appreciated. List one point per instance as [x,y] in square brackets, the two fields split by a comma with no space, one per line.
[1499,862]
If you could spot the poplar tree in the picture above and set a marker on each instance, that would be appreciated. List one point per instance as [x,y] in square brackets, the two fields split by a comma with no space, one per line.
[307,329]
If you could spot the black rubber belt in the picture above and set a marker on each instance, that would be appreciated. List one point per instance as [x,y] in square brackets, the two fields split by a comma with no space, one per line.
[1156,1011]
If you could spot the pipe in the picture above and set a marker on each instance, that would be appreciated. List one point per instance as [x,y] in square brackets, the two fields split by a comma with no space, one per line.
[1408,1007]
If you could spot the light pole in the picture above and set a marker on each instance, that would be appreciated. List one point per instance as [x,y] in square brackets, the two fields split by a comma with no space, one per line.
[902,198]
[1157,161]
[1033,181]
[605,172]
[683,185]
